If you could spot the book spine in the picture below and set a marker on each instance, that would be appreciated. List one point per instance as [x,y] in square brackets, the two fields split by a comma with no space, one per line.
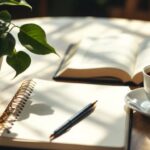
[16,105]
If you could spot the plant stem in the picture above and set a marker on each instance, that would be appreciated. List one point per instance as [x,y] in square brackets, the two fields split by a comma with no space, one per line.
[13,25]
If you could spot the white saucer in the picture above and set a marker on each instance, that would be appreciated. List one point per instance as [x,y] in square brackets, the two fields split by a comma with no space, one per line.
[137,100]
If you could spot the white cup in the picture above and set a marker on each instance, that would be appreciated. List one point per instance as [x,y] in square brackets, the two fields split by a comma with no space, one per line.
[146,80]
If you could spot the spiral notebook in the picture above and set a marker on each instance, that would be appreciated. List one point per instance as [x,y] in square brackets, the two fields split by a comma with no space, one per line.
[39,107]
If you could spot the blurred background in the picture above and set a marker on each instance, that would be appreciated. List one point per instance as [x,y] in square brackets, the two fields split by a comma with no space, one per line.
[132,9]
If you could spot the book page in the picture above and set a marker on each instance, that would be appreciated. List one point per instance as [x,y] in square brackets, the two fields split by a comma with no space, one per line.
[53,103]
[143,55]
[117,50]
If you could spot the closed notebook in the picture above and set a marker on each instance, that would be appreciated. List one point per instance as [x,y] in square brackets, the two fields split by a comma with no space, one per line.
[42,106]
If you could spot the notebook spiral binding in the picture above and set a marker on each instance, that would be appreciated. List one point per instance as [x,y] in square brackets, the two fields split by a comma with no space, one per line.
[16,105]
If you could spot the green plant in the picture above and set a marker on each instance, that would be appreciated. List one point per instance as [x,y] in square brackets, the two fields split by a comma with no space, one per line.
[31,36]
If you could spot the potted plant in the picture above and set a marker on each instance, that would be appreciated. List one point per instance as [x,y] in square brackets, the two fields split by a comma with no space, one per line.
[31,36]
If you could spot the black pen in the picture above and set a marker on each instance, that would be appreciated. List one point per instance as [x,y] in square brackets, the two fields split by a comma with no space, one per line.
[87,110]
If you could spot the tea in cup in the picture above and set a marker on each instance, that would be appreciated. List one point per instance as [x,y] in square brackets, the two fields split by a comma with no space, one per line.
[146,80]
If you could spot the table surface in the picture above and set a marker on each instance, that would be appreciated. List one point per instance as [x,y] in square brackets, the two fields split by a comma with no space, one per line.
[140,132]
[61,32]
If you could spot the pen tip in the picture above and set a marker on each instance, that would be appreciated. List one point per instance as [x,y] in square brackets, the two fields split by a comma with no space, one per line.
[51,137]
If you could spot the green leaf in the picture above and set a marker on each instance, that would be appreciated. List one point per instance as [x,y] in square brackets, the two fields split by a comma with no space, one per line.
[19,61]
[33,37]
[5,16]
[15,3]
[7,44]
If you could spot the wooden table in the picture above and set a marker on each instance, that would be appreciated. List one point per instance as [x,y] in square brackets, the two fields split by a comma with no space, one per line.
[140,132]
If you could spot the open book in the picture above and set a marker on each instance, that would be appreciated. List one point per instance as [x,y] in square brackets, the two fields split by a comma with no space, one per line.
[117,57]
[39,107]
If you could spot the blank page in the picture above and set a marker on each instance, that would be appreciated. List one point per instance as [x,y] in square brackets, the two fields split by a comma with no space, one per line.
[52,103]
